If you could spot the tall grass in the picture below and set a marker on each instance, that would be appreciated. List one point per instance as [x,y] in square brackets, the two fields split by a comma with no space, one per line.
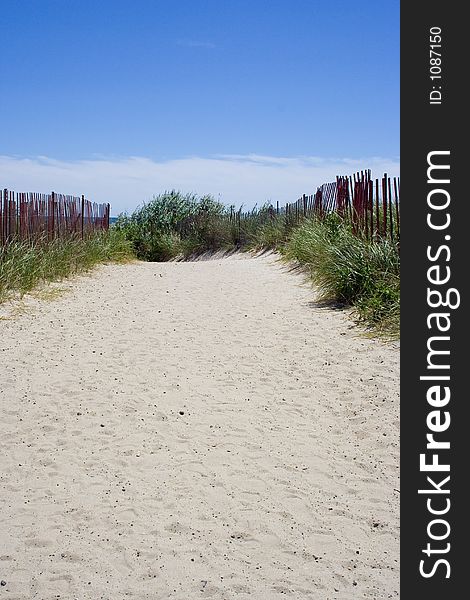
[174,224]
[271,235]
[349,269]
[23,265]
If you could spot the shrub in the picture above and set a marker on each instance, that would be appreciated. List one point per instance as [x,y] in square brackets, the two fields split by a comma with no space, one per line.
[174,223]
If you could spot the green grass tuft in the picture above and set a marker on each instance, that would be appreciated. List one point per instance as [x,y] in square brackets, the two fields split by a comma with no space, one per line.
[349,269]
[175,224]
[270,235]
[24,265]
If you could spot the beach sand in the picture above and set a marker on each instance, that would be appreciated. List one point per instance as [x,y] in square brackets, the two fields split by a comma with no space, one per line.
[196,430]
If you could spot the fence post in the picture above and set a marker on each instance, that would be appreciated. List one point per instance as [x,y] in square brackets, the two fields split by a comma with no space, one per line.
[52,216]
[377,209]
[14,215]
[239,226]
[4,214]
[82,215]
[385,206]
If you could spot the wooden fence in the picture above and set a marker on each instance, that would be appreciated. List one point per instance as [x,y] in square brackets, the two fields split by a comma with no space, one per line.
[27,216]
[371,206]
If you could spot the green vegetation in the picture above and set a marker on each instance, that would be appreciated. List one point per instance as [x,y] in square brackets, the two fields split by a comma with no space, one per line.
[344,266]
[352,270]
[24,265]
[263,229]
[177,225]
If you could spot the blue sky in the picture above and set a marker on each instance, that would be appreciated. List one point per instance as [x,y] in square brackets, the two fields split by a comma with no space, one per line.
[159,82]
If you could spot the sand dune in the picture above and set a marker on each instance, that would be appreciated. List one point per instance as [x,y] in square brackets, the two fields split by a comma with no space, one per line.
[196,430]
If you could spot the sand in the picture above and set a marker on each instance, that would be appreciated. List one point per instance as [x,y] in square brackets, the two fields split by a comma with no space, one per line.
[196,430]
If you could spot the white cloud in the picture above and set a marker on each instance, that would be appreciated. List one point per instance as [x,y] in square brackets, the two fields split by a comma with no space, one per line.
[234,179]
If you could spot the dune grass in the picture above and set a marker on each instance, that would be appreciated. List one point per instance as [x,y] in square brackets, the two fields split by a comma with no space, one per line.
[180,225]
[174,225]
[272,234]
[24,265]
[352,270]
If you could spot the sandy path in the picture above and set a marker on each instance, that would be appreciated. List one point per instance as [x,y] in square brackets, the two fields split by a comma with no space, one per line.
[280,480]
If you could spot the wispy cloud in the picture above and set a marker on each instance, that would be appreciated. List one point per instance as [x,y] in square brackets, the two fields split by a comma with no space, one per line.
[234,179]
[194,44]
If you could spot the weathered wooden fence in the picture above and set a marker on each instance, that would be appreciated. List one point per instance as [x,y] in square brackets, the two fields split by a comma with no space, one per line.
[28,215]
[371,206]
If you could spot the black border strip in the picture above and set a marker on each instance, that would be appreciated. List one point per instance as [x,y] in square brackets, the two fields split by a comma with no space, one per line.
[433,251]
